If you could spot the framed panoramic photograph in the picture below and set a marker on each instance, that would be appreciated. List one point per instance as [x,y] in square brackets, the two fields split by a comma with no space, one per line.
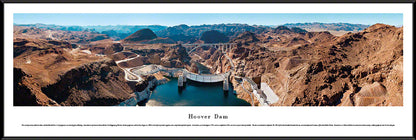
[259,70]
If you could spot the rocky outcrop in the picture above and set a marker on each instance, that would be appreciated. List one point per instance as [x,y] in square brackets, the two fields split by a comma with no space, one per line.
[140,35]
[183,38]
[49,33]
[93,84]
[354,62]
[371,94]
[319,69]
[160,40]
[106,48]
[92,38]
[25,45]
[26,92]
[175,56]
[298,30]
[139,61]
[214,36]
[246,38]
[328,26]
[302,68]
[287,30]
[282,30]
[168,56]
[191,34]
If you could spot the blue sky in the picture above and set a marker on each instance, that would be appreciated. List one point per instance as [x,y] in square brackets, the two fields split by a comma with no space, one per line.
[171,19]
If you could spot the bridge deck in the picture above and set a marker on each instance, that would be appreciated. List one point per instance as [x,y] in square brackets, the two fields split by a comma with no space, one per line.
[213,44]
[212,78]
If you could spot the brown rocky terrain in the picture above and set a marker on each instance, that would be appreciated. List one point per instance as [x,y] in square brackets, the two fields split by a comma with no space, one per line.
[191,34]
[168,56]
[140,36]
[317,68]
[96,83]
[52,34]
[213,36]
[106,47]
[45,61]
[93,84]
[26,92]
[160,40]
[337,29]
[210,57]
[122,55]
[55,72]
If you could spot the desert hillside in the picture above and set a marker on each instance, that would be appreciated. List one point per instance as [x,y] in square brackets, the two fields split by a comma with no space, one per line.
[52,72]
[318,68]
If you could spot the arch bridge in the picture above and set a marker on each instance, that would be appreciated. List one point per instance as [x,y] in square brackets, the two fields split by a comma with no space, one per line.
[224,47]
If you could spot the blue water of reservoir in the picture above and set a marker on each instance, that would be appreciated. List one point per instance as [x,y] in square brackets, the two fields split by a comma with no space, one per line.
[193,94]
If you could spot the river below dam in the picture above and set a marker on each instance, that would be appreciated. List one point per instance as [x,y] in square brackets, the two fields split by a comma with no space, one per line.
[194,94]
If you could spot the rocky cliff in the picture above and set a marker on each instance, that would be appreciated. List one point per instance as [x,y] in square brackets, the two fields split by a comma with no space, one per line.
[213,36]
[168,56]
[140,35]
[106,47]
[319,69]
[97,83]
[53,73]
[26,92]
[61,35]
[93,84]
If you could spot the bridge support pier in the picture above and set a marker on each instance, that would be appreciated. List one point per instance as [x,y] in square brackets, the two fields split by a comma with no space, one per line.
[181,81]
[225,85]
